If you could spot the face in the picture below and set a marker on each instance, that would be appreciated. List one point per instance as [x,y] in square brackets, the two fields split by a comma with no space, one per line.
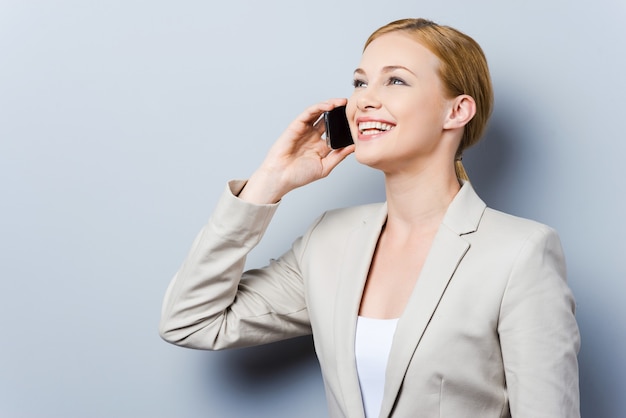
[397,110]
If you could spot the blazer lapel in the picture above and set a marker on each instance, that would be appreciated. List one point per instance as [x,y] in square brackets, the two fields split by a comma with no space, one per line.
[358,255]
[447,251]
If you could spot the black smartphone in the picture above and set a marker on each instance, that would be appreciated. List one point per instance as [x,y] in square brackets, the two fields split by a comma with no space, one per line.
[337,129]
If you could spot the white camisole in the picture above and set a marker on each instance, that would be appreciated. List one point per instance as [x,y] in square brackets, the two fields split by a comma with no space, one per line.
[372,347]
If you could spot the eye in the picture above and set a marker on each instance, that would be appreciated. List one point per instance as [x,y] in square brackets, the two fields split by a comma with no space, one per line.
[395,81]
[358,83]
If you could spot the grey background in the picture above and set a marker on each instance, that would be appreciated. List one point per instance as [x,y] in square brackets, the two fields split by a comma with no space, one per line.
[121,121]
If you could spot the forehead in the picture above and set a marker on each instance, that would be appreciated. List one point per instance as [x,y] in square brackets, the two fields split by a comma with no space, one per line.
[398,49]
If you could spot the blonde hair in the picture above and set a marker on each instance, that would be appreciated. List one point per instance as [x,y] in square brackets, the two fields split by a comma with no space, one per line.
[463,70]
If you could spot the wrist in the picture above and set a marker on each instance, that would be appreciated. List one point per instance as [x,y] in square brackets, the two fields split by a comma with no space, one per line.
[263,188]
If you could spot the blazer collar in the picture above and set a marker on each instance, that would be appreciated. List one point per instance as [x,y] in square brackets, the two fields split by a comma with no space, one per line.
[465,211]
[447,251]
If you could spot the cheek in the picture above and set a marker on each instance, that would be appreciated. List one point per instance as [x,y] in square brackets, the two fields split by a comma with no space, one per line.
[351,107]
[350,114]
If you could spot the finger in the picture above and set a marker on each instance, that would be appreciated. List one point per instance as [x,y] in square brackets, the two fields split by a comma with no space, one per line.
[320,125]
[312,113]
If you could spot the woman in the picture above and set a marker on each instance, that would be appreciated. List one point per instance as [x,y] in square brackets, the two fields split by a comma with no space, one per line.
[429,304]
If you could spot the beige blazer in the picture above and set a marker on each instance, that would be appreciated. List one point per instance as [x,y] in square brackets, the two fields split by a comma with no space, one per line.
[489,330]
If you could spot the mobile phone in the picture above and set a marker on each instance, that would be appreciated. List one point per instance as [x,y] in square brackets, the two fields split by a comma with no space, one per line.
[337,128]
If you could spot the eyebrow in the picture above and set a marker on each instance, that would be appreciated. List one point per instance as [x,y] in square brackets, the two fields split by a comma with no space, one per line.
[387,69]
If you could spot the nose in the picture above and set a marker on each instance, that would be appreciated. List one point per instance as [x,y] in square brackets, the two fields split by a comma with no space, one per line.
[368,99]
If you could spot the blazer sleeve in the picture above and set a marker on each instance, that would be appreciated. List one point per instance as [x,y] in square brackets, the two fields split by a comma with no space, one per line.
[211,303]
[538,332]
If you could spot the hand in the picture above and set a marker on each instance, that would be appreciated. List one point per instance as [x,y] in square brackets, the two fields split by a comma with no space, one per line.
[298,157]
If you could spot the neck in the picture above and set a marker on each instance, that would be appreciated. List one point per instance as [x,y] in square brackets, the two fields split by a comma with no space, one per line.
[419,201]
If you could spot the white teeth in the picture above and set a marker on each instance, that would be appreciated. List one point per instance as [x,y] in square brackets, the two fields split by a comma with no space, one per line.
[379,126]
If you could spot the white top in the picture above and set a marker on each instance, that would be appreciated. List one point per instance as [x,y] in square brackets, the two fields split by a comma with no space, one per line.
[372,347]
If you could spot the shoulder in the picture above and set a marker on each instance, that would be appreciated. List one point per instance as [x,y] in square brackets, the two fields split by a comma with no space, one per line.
[353,215]
[469,216]
[342,222]
[518,245]
[500,224]
[501,239]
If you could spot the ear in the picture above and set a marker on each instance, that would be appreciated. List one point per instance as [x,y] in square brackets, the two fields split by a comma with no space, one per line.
[462,109]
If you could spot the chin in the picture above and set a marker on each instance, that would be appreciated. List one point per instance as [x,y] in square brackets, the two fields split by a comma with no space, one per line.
[369,157]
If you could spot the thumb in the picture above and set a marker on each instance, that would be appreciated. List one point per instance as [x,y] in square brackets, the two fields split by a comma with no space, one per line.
[333,159]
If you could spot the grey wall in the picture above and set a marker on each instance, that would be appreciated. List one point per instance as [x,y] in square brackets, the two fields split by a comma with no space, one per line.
[120,122]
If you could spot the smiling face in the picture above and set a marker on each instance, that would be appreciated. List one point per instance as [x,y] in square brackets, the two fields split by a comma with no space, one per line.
[398,109]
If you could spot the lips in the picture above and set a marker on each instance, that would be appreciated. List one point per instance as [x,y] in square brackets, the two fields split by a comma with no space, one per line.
[374,127]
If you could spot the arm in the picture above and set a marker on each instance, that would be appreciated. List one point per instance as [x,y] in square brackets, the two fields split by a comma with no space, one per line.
[538,332]
[206,306]
[211,303]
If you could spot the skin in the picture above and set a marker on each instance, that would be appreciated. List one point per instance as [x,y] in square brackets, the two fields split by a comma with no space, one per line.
[397,84]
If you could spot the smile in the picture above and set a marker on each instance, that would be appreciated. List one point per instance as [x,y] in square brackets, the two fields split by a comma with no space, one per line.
[374,127]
